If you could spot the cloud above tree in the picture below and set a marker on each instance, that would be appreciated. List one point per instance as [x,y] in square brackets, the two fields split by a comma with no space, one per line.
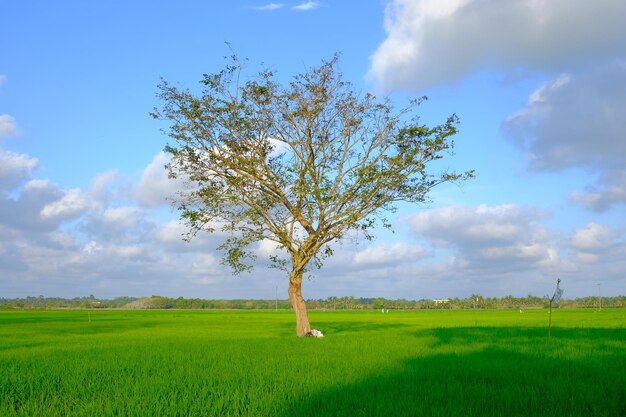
[435,42]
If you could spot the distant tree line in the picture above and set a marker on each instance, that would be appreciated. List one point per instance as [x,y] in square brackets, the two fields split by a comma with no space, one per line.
[58,302]
[474,301]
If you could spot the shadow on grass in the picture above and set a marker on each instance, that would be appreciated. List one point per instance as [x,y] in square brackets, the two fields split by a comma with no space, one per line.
[489,372]
[519,336]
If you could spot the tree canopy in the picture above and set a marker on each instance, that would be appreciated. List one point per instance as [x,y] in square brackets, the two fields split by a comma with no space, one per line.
[302,164]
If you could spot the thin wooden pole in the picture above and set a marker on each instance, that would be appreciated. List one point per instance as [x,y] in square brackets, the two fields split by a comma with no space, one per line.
[550,319]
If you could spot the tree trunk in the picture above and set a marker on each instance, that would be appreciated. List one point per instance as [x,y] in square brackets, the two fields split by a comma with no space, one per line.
[297,302]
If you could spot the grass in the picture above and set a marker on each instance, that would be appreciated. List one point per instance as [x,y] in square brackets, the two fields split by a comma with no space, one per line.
[244,363]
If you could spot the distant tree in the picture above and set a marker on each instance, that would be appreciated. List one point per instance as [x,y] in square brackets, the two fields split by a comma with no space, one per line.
[182,303]
[302,165]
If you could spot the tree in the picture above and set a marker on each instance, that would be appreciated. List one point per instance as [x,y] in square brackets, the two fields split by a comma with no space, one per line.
[303,165]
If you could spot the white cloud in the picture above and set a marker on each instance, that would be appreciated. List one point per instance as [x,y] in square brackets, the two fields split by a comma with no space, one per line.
[611,190]
[587,258]
[171,232]
[395,253]
[22,209]
[306,6]
[15,168]
[500,238]
[37,185]
[473,224]
[576,121]
[115,225]
[431,42]
[601,247]
[3,79]
[269,7]
[73,203]
[115,247]
[592,237]
[207,264]
[122,216]
[154,187]
[126,251]
[91,247]
[7,125]
[100,184]
[267,248]
[63,239]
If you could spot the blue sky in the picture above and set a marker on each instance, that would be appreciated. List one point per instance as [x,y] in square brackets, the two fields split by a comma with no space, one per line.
[540,88]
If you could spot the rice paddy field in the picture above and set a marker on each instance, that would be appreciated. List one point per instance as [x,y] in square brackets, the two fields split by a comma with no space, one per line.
[247,363]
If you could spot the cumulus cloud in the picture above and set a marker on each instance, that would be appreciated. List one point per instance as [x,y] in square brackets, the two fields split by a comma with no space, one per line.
[171,232]
[500,238]
[23,211]
[509,249]
[610,191]
[7,125]
[73,203]
[601,247]
[208,264]
[267,248]
[154,187]
[115,224]
[592,237]
[98,240]
[15,168]
[431,42]
[121,216]
[394,254]
[576,121]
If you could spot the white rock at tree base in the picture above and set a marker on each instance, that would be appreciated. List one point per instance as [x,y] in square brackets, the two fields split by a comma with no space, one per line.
[314,333]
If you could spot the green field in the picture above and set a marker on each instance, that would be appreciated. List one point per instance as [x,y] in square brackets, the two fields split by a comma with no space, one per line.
[245,363]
